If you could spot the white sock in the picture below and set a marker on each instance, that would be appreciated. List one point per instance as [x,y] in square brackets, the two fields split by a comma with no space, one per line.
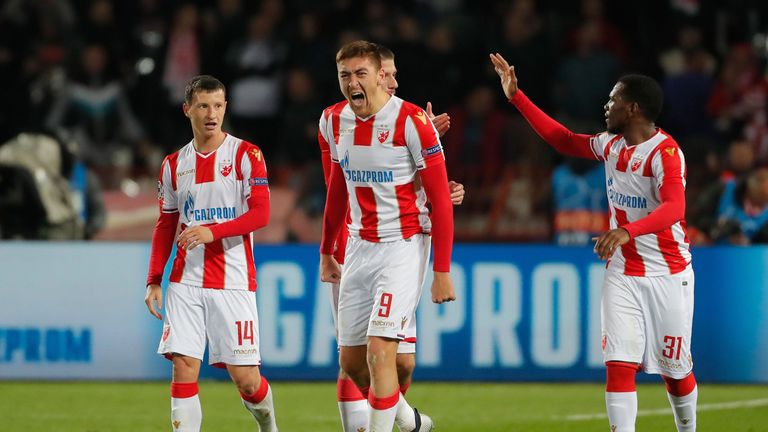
[405,417]
[382,414]
[684,408]
[354,415]
[186,414]
[263,411]
[622,410]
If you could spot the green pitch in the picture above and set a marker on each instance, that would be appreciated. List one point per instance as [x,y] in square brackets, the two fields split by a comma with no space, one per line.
[115,406]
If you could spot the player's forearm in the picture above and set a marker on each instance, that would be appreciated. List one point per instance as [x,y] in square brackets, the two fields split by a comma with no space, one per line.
[435,181]
[256,217]
[671,210]
[162,244]
[335,210]
[552,132]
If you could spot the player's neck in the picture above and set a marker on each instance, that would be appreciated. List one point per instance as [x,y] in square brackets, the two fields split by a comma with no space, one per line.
[639,134]
[207,144]
[377,102]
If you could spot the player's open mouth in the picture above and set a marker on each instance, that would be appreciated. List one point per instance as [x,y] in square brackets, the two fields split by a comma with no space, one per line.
[357,97]
[210,125]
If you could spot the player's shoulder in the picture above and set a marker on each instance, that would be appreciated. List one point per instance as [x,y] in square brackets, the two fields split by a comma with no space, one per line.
[407,107]
[173,158]
[667,141]
[334,109]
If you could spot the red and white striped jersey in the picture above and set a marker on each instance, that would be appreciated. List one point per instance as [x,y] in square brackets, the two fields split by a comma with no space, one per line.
[633,178]
[207,189]
[380,156]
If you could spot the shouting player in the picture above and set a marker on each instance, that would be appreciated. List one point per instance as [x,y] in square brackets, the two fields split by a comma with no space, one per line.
[353,406]
[377,144]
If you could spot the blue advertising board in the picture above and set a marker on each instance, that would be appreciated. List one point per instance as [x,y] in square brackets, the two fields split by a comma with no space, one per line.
[523,313]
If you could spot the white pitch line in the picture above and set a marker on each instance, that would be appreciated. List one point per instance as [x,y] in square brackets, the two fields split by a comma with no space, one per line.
[664,411]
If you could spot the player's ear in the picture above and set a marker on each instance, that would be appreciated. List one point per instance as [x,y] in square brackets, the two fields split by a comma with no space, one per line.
[185,108]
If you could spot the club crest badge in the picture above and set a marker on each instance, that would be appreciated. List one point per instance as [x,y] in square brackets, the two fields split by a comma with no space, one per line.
[225,167]
[383,135]
[636,164]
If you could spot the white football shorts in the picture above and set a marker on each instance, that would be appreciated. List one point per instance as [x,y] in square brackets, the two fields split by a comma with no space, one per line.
[406,346]
[648,320]
[380,288]
[227,319]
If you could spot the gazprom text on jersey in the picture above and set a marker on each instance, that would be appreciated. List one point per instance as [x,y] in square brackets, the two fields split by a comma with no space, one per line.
[215,213]
[629,201]
[369,176]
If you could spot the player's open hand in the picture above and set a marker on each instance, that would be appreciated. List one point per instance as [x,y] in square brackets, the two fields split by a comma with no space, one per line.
[442,288]
[442,122]
[506,74]
[330,270]
[154,300]
[193,237]
[606,244]
[457,192]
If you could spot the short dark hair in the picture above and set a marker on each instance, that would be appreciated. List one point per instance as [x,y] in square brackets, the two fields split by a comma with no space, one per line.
[386,53]
[360,48]
[645,92]
[204,83]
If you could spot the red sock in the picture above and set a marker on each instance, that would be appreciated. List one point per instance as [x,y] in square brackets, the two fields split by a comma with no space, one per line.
[404,388]
[347,391]
[183,390]
[620,377]
[365,391]
[680,387]
[383,403]
[259,394]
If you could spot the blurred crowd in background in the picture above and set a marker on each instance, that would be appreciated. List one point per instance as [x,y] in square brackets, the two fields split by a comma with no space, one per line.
[92,94]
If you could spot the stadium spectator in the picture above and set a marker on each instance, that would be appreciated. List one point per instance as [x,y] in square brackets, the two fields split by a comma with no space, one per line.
[704,209]
[375,292]
[579,99]
[649,277]
[256,63]
[579,203]
[216,187]
[93,106]
[742,214]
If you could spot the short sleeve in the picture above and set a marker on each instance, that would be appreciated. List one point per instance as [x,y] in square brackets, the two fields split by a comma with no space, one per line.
[422,140]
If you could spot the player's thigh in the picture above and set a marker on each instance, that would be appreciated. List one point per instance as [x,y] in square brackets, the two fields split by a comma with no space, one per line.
[232,327]
[398,288]
[621,310]
[356,292]
[184,321]
[669,323]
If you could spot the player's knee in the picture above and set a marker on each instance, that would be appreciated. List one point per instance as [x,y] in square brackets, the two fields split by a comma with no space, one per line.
[620,376]
[406,363]
[185,369]
[352,365]
[680,387]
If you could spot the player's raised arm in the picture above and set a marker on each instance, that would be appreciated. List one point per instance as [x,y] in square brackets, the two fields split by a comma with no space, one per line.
[554,133]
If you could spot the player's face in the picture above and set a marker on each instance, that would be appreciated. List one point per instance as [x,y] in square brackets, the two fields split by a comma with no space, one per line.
[390,76]
[206,112]
[359,80]
[616,110]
